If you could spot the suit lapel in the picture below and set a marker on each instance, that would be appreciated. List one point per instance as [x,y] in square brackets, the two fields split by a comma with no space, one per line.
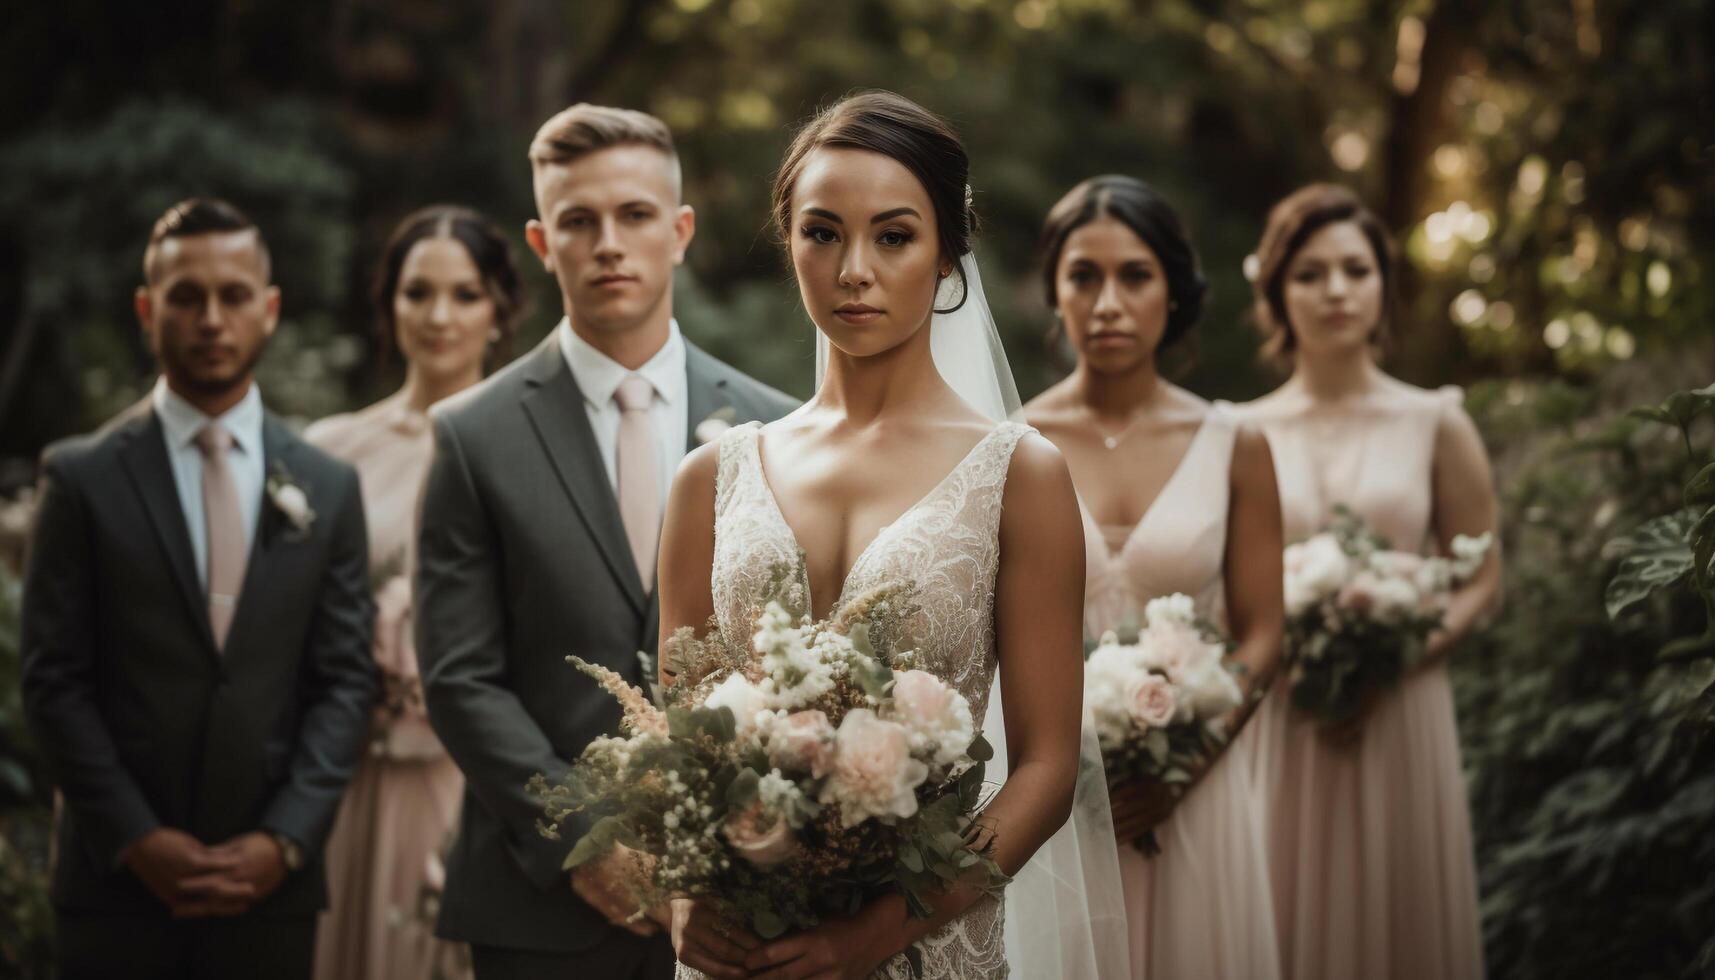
[705,389]
[145,456]
[555,406]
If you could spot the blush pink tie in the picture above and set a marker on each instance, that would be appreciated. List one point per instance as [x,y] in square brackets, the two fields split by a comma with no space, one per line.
[639,484]
[225,524]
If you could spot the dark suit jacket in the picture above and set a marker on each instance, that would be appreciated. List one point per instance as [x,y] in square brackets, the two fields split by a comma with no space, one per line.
[522,560]
[144,722]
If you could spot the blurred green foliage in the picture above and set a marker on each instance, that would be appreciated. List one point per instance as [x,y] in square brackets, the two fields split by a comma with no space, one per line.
[1592,770]
[1547,166]
[26,919]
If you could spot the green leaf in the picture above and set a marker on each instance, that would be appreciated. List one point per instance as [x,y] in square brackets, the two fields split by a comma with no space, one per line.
[742,790]
[1700,492]
[980,749]
[911,858]
[766,924]
[1654,556]
[689,723]
[598,841]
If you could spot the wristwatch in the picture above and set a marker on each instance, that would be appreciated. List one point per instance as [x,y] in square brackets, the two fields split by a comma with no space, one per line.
[291,853]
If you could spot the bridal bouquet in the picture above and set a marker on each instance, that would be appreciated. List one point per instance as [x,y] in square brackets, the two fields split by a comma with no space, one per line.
[1158,703]
[1359,614]
[791,781]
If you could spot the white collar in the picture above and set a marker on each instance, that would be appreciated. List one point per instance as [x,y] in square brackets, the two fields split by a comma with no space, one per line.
[182,421]
[598,376]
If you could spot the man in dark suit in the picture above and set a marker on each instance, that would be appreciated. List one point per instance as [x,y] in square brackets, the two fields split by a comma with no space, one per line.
[538,532]
[196,630]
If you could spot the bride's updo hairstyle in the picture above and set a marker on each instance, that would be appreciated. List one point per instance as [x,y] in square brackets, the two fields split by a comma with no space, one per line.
[897,128]
[1291,223]
[1136,205]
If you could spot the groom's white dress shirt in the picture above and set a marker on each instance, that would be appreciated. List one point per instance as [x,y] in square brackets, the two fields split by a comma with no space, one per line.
[598,377]
[180,423]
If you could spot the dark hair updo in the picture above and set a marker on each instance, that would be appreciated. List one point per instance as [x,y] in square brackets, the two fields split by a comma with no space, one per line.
[487,249]
[901,130]
[1136,205]
[1291,223]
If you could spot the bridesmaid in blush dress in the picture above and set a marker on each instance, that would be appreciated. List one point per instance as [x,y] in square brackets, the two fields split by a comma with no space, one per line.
[1178,496]
[446,296]
[1368,830]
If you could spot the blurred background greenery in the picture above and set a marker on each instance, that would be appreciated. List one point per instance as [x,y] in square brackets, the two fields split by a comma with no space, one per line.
[1549,167]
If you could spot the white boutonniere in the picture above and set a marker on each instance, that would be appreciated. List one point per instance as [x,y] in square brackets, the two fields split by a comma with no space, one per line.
[713,427]
[290,500]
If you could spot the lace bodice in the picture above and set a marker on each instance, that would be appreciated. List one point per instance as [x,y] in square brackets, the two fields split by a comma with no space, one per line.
[948,545]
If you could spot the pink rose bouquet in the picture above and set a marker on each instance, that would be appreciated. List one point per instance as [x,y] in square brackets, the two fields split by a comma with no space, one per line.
[1158,703]
[796,779]
[1359,614]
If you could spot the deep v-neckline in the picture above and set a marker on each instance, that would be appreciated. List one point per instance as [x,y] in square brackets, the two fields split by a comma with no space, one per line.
[881,532]
[1112,554]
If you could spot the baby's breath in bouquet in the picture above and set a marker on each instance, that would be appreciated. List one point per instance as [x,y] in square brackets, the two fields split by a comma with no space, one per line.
[797,779]
[1359,614]
[1158,703]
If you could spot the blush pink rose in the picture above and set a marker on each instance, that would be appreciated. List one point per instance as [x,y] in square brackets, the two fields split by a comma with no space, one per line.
[802,741]
[873,773]
[759,837]
[922,700]
[1152,701]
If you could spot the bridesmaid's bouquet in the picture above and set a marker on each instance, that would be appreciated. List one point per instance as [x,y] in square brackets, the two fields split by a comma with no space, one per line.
[791,781]
[1359,614]
[1158,703]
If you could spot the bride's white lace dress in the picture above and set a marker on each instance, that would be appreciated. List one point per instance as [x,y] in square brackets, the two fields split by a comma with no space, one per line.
[948,544]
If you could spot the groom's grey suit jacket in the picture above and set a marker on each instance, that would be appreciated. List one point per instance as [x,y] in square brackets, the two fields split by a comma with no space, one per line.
[523,560]
[143,720]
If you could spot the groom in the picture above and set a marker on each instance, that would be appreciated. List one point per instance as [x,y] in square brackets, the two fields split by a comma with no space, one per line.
[538,535]
[197,667]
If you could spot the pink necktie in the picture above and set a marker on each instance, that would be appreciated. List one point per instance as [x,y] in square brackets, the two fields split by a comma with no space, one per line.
[222,517]
[639,486]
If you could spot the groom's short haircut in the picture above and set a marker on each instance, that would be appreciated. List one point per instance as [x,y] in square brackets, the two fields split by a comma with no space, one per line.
[584,128]
[199,216]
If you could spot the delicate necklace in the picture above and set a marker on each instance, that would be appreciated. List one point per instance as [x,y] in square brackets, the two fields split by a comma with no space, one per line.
[1112,440]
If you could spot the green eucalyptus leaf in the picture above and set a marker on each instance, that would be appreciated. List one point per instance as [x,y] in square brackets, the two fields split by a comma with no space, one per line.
[911,858]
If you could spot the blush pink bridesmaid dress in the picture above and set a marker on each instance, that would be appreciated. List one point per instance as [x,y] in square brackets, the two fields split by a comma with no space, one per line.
[1369,844]
[1202,907]
[403,799]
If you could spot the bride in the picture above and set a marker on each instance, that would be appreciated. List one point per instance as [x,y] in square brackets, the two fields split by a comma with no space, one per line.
[890,473]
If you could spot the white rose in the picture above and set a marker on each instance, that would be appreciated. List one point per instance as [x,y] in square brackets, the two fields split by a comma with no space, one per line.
[1177,608]
[1315,569]
[743,698]
[1209,690]
[1385,598]
[1172,647]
